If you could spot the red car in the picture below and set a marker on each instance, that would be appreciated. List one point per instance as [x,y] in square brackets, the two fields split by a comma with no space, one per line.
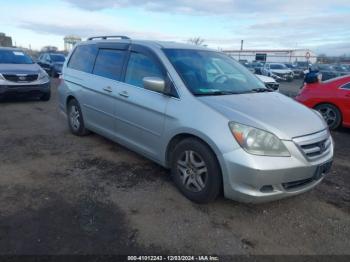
[331,98]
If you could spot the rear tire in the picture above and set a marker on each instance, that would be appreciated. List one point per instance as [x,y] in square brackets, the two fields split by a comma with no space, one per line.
[196,171]
[75,119]
[331,115]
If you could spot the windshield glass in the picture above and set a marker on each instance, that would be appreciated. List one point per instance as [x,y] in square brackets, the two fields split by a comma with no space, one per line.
[57,58]
[278,66]
[212,73]
[14,57]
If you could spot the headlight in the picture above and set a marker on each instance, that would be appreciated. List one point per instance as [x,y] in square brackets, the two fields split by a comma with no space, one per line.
[43,75]
[258,142]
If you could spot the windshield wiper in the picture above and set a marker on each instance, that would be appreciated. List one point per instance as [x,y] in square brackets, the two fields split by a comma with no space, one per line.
[216,93]
[262,89]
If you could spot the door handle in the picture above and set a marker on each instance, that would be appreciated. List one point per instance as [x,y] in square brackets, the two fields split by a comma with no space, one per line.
[107,89]
[347,95]
[124,94]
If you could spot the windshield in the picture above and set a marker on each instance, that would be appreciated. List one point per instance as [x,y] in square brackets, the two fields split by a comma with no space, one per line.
[14,57]
[57,58]
[212,73]
[278,66]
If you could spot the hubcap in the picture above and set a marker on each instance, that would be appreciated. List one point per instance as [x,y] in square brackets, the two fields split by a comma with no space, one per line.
[193,171]
[328,114]
[74,117]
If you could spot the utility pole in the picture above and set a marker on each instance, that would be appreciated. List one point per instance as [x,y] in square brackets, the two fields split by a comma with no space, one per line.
[239,53]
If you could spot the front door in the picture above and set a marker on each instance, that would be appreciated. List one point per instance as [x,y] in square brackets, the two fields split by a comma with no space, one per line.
[140,113]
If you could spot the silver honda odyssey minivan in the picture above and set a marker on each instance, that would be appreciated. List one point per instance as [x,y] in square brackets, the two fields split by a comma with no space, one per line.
[199,113]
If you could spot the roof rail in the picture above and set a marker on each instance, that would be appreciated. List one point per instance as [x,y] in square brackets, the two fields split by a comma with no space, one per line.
[105,37]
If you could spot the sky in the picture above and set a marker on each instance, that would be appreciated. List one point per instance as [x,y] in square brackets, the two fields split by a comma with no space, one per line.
[321,25]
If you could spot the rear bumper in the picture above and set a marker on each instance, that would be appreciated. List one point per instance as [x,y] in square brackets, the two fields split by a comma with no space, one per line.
[255,179]
[25,89]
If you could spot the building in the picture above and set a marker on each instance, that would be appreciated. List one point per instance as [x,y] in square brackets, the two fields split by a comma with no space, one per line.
[70,41]
[5,40]
[275,56]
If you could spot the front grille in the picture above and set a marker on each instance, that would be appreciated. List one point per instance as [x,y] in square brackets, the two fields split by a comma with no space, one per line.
[21,78]
[314,146]
[298,183]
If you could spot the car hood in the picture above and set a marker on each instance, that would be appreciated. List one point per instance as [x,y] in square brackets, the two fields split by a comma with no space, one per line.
[272,112]
[281,71]
[19,69]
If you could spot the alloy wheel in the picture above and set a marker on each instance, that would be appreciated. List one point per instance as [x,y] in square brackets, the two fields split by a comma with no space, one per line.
[193,171]
[74,117]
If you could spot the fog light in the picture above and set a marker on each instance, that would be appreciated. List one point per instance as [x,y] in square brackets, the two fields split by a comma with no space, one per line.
[266,189]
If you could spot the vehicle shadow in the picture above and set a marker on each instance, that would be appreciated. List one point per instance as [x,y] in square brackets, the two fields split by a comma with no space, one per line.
[18,99]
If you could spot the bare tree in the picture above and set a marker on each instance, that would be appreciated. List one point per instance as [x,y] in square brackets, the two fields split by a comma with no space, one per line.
[196,40]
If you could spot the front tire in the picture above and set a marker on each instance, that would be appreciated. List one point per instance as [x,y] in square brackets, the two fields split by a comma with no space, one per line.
[75,119]
[331,115]
[196,171]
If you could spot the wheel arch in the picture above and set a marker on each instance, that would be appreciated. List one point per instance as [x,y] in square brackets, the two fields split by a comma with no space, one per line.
[176,138]
[329,103]
[68,99]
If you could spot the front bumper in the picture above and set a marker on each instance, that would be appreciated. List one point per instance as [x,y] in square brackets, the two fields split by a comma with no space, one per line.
[254,179]
[28,88]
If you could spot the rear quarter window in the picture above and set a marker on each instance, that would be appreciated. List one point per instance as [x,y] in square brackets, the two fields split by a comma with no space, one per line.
[346,86]
[83,58]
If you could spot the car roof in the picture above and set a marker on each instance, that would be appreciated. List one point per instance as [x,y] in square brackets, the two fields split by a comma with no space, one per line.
[150,43]
[11,48]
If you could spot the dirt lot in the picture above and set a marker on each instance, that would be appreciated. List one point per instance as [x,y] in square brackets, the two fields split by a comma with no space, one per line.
[60,194]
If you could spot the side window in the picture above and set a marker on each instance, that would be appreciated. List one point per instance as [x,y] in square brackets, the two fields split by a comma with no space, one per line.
[109,63]
[141,66]
[346,86]
[83,58]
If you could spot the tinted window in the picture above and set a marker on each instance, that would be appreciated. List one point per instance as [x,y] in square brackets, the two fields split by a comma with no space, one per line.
[109,63]
[346,86]
[14,57]
[83,58]
[141,66]
[57,58]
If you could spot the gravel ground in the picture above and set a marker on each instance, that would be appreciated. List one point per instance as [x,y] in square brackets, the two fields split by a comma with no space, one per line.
[60,194]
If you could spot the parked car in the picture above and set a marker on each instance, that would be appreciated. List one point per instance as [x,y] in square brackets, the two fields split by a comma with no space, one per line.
[19,75]
[254,67]
[278,71]
[297,72]
[342,69]
[199,113]
[331,98]
[326,70]
[303,66]
[52,63]
[269,82]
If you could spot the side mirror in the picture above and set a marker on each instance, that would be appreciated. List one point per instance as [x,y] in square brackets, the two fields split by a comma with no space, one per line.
[156,84]
[312,77]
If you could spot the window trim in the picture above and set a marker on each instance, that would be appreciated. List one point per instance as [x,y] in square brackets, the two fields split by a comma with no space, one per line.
[136,48]
[122,67]
[342,86]
[73,52]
